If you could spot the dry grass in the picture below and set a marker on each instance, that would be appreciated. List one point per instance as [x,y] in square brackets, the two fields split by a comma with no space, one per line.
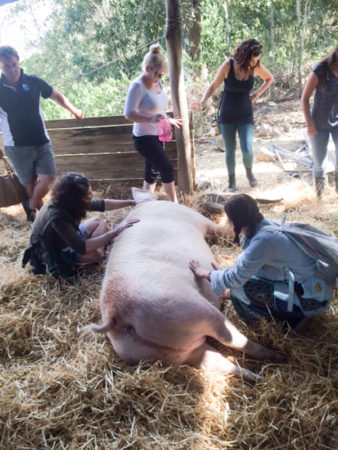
[61,392]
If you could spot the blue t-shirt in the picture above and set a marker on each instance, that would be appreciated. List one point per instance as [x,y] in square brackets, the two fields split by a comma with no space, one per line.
[21,123]
[325,105]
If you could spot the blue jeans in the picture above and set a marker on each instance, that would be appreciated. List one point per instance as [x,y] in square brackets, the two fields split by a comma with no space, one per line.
[319,150]
[245,132]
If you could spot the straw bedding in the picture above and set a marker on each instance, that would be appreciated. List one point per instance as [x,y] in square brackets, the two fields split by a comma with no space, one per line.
[59,391]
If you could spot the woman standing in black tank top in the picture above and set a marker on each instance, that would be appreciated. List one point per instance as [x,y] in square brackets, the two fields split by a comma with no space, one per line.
[235,112]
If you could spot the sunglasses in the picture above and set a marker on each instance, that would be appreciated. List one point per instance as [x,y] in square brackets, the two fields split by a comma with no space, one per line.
[79,180]
[158,74]
[256,50]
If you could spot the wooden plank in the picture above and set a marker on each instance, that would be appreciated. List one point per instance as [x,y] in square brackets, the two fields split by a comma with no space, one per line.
[118,156]
[304,160]
[99,144]
[103,166]
[73,148]
[90,122]
[92,131]
[136,180]
[87,122]
[104,161]
[64,144]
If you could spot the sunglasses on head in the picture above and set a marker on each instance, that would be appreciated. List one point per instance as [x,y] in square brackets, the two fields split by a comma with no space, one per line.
[79,180]
[256,49]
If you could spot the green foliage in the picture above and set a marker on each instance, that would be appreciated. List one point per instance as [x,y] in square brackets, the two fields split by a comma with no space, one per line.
[103,99]
[226,23]
[95,47]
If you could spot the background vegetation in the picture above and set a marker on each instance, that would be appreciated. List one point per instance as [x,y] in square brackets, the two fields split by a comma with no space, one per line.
[95,47]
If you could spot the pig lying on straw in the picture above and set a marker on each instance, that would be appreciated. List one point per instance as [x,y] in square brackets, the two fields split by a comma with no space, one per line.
[152,306]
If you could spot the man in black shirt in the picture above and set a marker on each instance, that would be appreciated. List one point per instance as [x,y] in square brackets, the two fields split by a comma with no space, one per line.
[25,137]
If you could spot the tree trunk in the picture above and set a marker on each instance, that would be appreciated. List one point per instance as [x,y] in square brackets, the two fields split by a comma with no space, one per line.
[272,47]
[300,45]
[227,22]
[194,33]
[178,95]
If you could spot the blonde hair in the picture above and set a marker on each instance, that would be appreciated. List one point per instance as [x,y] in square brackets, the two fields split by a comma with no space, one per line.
[154,59]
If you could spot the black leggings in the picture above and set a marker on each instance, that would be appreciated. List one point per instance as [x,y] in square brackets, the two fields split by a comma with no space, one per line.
[156,159]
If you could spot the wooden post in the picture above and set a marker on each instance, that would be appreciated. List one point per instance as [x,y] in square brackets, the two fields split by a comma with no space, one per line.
[178,95]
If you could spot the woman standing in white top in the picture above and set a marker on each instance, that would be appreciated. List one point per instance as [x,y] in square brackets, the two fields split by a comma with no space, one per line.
[146,104]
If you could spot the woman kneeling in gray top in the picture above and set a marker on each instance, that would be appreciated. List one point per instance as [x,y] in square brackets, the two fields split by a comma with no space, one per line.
[259,282]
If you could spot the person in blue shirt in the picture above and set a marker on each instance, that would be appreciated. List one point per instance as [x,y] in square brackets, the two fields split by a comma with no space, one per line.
[24,135]
[259,282]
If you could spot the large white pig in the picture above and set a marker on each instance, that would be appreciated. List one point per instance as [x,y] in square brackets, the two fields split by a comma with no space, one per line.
[153,308]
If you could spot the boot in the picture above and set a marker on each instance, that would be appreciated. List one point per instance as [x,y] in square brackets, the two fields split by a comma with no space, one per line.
[30,213]
[336,180]
[232,183]
[319,183]
[251,178]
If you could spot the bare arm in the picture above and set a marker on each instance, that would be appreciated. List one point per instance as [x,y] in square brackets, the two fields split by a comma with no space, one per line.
[61,100]
[100,241]
[310,86]
[265,74]
[131,108]
[135,116]
[221,75]
[110,205]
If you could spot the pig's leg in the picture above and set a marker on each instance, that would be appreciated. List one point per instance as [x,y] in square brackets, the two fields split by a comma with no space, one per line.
[212,227]
[225,332]
[204,289]
[208,358]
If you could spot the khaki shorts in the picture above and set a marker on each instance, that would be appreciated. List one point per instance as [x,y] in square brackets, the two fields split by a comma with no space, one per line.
[31,161]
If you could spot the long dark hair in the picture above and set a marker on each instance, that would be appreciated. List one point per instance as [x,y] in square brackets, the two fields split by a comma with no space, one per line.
[70,193]
[242,211]
[328,62]
[245,51]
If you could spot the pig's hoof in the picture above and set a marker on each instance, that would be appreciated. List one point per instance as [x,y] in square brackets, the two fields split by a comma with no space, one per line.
[251,377]
[279,357]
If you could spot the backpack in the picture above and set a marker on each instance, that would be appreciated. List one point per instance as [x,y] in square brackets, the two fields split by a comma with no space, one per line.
[322,248]
[45,258]
[316,244]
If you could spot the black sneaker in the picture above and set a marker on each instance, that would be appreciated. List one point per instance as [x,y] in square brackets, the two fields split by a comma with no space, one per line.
[30,214]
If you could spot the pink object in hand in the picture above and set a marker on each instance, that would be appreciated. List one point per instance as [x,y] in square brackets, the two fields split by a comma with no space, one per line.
[164,130]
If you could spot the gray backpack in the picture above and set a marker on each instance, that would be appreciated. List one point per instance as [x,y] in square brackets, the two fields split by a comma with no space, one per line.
[317,245]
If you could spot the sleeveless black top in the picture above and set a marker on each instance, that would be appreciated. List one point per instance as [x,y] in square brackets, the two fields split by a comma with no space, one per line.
[235,105]
[325,104]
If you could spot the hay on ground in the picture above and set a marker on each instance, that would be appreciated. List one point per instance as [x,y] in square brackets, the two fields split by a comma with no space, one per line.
[60,391]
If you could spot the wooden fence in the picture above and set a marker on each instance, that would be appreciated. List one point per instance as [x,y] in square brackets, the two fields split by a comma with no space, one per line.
[101,148]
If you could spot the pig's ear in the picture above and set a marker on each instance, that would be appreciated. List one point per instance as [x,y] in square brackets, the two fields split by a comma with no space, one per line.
[140,195]
[104,328]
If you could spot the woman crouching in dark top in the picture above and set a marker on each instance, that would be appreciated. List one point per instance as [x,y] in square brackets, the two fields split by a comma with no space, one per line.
[59,240]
